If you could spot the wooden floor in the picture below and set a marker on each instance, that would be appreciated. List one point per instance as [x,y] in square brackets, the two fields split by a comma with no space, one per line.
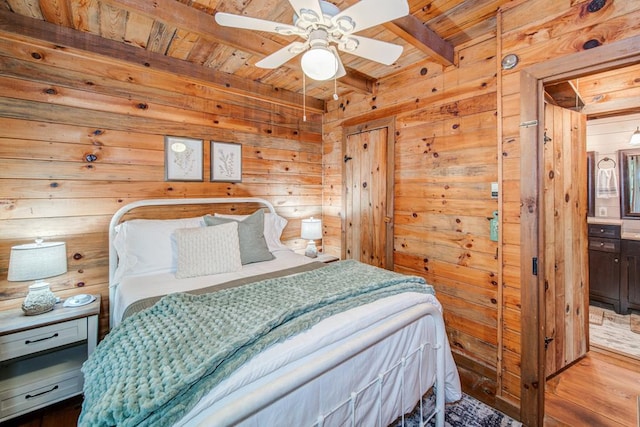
[599,390]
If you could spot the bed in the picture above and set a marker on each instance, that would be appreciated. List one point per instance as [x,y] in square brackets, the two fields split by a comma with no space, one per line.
[360,346]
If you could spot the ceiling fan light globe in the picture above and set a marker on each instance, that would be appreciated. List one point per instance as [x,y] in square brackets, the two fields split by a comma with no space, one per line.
[319,63]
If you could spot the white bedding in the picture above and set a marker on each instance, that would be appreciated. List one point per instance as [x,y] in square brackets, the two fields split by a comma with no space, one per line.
[136,287]
[303,406]
[319,396]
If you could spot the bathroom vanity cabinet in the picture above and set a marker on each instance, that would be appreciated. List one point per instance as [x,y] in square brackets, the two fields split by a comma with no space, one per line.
[604,265]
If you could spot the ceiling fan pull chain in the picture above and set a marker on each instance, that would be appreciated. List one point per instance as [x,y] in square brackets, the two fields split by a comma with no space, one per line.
[304,98]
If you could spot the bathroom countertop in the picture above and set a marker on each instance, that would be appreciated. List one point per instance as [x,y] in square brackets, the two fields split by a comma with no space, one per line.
[598,220]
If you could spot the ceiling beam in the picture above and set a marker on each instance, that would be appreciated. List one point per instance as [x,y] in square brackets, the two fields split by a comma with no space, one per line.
[413,31]
[190,19]
[611,108]
[13,23]
[416,33]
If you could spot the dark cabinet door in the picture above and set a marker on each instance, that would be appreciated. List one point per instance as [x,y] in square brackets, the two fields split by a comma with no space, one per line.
[631,275]
[604,277]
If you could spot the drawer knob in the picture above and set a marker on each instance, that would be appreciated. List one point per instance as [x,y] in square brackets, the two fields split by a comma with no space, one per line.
[27,342]
[602,244]
[602,230]
[31,396]
[615,260]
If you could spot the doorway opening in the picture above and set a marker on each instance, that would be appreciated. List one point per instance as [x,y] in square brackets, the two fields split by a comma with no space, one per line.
[532,82]
[610,105]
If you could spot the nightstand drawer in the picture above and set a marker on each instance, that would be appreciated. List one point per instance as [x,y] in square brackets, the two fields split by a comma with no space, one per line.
[43,338]
[40,381]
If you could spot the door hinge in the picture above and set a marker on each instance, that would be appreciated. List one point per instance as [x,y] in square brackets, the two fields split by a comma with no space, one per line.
[534,266]
[529,123]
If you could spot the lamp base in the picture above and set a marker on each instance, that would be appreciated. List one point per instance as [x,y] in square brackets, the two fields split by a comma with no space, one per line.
[311,251]
[39,300]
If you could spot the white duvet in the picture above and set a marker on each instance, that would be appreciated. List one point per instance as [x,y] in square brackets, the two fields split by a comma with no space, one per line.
[137,287]
[319,396]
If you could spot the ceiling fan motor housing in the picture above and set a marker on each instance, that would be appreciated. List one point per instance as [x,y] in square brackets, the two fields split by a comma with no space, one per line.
[308,17]
[325,30]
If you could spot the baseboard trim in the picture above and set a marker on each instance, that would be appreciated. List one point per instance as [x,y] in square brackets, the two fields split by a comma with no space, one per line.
[478,381]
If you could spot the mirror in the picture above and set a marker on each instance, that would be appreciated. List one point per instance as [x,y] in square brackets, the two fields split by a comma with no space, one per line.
[629,161]
[591,187]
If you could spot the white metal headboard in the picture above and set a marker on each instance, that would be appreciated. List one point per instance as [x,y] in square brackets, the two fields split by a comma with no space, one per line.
[115,220]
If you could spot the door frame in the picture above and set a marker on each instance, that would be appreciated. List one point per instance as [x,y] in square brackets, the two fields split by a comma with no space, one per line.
[390,124]
[532,81]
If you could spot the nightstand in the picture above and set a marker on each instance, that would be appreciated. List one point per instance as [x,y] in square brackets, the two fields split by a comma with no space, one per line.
[41,356]
[326,258]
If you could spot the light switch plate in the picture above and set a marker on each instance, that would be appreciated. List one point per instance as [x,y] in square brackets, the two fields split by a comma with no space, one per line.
[494,190]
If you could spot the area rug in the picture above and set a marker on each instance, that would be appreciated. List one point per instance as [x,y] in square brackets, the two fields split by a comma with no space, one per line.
[596,315]
[467,412]
[615,334]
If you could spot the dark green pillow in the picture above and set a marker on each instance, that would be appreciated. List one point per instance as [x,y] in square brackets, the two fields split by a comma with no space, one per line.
[253,246]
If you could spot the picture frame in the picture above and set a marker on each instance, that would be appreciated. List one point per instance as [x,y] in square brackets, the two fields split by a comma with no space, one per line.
[183,159]
[226,162]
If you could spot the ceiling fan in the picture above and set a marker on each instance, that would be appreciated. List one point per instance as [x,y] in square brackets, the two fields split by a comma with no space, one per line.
[323,25]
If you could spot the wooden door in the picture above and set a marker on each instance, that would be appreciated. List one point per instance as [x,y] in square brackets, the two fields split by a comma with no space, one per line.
[368,193]
[565,237]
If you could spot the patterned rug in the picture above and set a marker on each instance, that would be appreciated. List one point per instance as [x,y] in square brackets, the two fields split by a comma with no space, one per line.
[614,332]
[467,412]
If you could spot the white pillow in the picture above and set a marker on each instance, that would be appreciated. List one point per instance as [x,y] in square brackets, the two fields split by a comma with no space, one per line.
[273,226]
[148,246]
[209,250]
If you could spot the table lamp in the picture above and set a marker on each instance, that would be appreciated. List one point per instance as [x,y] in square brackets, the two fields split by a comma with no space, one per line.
[37,261]
[311,231]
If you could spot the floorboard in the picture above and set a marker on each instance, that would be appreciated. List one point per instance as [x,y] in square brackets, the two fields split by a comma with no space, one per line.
[599,390]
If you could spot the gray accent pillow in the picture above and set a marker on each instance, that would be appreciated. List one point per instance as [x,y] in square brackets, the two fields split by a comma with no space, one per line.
[253,246]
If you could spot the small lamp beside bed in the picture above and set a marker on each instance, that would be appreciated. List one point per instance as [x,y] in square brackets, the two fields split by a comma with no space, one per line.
[37,261]
[311,231]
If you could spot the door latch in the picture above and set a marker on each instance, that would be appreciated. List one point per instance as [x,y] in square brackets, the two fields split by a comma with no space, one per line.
[547,340]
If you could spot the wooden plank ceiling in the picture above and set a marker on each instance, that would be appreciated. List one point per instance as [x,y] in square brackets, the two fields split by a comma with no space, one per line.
[610,93]
[186,31]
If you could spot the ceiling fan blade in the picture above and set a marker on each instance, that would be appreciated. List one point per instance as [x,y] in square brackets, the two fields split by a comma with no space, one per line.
[368,13]
[312,5]
[341,71]
[283,55]
[248,23]
[375,50]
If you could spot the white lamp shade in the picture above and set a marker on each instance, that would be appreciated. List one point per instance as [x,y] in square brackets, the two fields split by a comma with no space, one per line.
[319,63]
[311,229]
[35,261]
[635,137]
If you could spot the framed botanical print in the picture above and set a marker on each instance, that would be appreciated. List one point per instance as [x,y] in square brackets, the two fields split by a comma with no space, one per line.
[183,159]
[226,161]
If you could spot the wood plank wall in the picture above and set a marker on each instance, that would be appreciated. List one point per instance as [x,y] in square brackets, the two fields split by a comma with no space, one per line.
[450,145]
[58,104]
[446,151]
[538,31]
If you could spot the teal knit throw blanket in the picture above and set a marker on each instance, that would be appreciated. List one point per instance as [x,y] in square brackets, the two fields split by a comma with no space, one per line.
[158,363]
